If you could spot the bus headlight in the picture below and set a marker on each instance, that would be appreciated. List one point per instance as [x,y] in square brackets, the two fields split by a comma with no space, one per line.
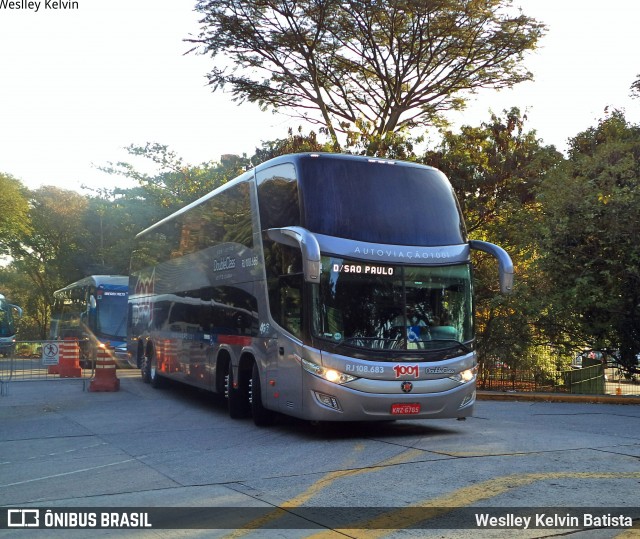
[466,376]
[330,375]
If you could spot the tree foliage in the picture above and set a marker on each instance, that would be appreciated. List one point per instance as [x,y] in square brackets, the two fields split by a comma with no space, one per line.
[49,252]
[635,88]
[174,183]
[495,169]
[293,143]
[364,67]
[590,239]
[14,217]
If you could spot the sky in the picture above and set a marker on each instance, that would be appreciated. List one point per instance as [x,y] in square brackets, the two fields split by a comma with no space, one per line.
[77,86]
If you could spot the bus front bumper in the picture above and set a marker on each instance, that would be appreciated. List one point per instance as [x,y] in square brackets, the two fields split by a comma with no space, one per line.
[325,401]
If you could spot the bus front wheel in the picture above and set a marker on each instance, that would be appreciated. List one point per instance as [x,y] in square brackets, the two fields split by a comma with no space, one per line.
[261,416]
[155,379]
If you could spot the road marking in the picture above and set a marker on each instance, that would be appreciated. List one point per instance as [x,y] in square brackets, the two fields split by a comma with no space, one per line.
[319,485]
[36,457]
[406,516]
[66,473]
[631,533]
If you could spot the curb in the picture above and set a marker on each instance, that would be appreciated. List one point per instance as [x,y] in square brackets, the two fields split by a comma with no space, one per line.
[556,397]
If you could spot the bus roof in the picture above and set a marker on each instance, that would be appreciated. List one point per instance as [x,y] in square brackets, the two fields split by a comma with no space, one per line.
[294,158]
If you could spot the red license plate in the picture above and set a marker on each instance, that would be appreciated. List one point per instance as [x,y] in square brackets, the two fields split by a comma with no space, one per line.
[405,409]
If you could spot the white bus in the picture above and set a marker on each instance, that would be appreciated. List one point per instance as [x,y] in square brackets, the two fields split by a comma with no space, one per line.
[326,287]
[9,316]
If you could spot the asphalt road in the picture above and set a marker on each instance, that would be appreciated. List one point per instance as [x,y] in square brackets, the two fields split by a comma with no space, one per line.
[62,447]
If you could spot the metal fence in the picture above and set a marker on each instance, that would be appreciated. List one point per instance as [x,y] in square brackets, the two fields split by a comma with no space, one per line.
[593,380]
[41,360]
[36,360]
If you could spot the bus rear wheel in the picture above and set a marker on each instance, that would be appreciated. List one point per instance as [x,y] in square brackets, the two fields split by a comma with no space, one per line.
[262,417]
[237,399]
[155,379]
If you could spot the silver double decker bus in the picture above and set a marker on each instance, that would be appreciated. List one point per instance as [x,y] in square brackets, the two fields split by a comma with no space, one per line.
[326,287]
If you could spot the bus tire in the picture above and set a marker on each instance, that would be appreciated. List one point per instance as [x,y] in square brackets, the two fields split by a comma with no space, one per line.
[145,369]
[262,417]
[237,398]
[155,379]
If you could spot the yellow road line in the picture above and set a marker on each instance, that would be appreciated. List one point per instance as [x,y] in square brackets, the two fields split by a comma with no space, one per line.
[402,518]
[406,517]
[631,533]
[319,485]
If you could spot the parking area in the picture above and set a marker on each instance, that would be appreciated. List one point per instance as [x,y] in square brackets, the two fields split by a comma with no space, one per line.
[177,449]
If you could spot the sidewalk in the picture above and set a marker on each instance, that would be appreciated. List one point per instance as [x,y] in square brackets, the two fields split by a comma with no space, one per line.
[556,397]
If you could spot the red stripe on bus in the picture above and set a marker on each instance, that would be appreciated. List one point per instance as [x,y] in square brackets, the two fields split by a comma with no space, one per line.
[234,339]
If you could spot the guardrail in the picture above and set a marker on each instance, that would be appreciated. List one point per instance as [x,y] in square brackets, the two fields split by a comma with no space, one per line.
[44,360]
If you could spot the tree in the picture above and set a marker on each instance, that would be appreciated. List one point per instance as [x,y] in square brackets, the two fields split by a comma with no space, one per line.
[635,88]
[20,290]
[364,67]
[14,217]
[112,220]
[175,183]
[590,239]
[495,169]
[50,253]
[294,143]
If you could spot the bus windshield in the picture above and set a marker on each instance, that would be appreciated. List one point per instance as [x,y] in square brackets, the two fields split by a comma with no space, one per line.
[378,306]
[112,315]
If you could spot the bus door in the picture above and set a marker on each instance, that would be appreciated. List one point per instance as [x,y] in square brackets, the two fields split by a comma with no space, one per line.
[290,348]
[289,375]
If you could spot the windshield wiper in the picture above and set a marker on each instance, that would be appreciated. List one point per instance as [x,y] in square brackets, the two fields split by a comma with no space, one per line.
[376,342]
[464,347]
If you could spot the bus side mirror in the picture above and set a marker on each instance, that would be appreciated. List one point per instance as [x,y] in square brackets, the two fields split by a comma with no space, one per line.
[17,310]
[505,265]
[296,236]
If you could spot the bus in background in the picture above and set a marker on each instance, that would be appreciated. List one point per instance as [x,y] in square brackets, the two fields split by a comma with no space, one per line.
[326,287]
[9,316]
[93,310]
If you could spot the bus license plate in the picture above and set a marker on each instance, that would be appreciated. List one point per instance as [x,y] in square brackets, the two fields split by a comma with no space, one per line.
[405,409]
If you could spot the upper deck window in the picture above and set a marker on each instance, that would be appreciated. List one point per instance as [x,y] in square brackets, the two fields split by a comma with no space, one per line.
[278,196]
[379,202]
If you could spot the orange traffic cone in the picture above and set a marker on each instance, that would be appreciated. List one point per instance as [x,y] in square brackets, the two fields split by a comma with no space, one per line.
[105,378]
[69,365]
